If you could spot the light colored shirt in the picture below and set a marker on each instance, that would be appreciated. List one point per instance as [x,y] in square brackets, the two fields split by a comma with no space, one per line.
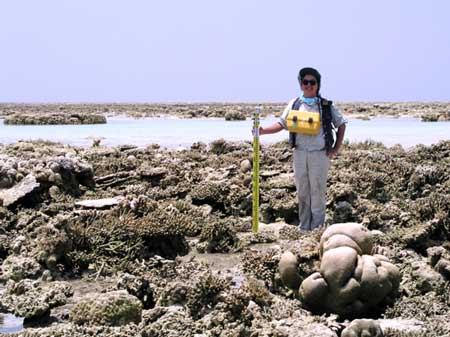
[311,142]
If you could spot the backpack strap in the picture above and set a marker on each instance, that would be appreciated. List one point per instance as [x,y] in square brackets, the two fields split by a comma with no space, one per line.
[327,126]
[325,110]
[295,106]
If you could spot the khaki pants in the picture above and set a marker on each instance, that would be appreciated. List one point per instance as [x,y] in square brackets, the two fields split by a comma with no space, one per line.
[311,171]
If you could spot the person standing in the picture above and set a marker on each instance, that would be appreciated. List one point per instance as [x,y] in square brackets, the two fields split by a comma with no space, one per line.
[310,119]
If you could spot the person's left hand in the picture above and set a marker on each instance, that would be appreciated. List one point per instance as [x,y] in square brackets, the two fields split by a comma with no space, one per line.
[332,153]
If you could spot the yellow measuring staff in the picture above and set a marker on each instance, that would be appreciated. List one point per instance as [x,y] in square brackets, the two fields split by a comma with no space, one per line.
[255,208]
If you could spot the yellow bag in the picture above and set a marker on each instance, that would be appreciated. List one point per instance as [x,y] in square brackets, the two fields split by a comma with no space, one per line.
[305,123]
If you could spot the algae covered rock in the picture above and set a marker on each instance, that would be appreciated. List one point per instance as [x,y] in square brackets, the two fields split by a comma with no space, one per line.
[52,244]
[8,171]
[219,237]
[220,146]
[32,171]
[440,259]
[15,193]
[245,166]
[211,193]
[54,118]
[19,267]
[234,116]
[280,205]
[114,308]
[33,299]
[168,321]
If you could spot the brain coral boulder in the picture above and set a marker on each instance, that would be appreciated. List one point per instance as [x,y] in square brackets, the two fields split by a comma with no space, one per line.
[351,281]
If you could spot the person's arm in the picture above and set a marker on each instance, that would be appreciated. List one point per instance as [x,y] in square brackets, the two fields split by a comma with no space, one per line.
[339,139]
[274,128]
[277,126]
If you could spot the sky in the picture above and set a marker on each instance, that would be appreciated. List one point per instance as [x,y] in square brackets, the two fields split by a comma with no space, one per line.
[216,51]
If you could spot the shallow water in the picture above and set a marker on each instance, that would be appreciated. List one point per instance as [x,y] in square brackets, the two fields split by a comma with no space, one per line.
[10,323]
[174,133]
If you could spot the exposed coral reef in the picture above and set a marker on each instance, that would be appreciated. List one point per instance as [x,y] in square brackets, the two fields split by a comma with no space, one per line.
[173,230]
[428,111]
[114,308]
[54,118]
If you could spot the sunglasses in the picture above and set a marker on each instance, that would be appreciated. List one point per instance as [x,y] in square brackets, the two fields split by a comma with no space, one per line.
[312,82]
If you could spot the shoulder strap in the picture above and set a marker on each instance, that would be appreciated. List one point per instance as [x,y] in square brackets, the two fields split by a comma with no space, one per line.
[325,102]
[325,109]
[296,104]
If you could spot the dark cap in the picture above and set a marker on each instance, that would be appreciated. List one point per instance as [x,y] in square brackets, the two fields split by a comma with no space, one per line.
[309,71]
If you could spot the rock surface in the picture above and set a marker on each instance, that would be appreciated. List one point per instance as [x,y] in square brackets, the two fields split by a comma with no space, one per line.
[33,300]
[20,267]
[429,111]
[157,243]
[112,309]
[54,119]
[12,195]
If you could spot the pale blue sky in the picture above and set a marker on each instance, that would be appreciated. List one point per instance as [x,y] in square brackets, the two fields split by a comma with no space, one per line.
[234,50]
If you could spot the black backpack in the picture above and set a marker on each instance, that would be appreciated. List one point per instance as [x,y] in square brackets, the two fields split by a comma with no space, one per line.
[327,126]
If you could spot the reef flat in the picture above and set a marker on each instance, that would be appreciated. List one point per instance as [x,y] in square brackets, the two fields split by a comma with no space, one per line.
[54,119]
[131,241]
[427,111]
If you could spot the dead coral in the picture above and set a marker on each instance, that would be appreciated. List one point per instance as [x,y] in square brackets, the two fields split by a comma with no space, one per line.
[213,194]
[205,294]
[402,194]
[277,204]
[123,238]
[32,299]
[220,236]
[54,119]
[113,308]
[262,265]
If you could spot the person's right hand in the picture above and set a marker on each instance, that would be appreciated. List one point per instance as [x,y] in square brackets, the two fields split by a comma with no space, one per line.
[260,131]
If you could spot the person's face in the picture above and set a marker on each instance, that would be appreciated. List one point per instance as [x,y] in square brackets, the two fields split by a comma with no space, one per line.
[309,86]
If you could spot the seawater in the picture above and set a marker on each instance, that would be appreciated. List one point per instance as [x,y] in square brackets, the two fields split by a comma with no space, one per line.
[175,133]
[10,323]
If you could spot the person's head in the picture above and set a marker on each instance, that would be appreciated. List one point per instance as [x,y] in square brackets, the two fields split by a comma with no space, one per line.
[309,79]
